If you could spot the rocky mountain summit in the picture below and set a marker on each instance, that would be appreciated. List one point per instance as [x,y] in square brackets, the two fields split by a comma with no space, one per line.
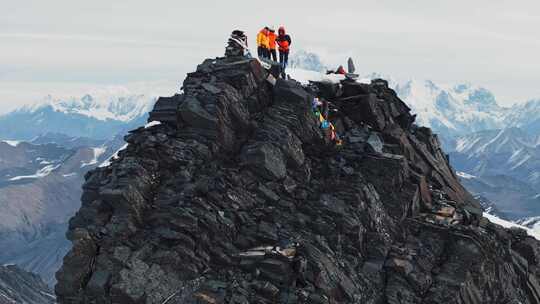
[238,196]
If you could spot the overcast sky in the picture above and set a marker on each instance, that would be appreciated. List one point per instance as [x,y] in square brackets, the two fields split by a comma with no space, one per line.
[58,46]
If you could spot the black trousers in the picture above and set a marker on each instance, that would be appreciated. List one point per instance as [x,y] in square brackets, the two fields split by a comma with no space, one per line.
[263,52]
[283,59]
[274,55]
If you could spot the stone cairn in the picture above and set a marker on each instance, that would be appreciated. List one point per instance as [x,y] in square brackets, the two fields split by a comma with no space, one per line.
[237,44]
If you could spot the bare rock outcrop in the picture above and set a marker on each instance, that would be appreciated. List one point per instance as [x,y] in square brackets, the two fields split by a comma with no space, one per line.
[240,197]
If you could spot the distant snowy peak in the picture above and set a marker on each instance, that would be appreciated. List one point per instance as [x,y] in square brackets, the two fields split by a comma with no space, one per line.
[306,61]
[459,109]
[97,115]
[451,110]
[526,115]
[119,106]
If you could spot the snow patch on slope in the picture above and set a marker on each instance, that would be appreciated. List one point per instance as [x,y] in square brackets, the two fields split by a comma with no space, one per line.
[13,143]
[465,175]
[48,294]
[464,144]
[39,174]
[522,161]
[97,153]
[534,232]
[114,156]
[152,123]
[304,76]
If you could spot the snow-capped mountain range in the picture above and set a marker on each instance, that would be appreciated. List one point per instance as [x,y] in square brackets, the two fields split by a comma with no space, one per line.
[120,106]
[98,116]
[452,110]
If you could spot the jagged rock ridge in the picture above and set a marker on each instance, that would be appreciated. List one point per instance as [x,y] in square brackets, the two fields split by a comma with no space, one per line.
[239,197]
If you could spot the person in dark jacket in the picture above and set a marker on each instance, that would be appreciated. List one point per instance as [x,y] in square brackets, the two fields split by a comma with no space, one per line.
[284,43]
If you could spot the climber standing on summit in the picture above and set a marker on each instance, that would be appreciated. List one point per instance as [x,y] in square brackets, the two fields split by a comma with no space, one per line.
[272,43]
[262,43]
[284,43]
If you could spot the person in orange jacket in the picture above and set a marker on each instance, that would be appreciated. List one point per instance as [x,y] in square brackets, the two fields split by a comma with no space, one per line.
[262,43]
[272,43]
[284,44]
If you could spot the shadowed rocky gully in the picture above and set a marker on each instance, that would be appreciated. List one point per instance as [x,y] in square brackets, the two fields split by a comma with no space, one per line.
[238,196]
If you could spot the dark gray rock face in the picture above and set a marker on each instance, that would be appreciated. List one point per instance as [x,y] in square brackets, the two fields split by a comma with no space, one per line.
[19,286]
[244,199]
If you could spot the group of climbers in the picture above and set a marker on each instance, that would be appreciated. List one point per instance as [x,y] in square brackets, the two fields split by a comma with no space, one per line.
[321,109]
[268,42]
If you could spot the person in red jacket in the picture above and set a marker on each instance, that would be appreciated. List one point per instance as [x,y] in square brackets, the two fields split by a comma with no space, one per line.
[284,43]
